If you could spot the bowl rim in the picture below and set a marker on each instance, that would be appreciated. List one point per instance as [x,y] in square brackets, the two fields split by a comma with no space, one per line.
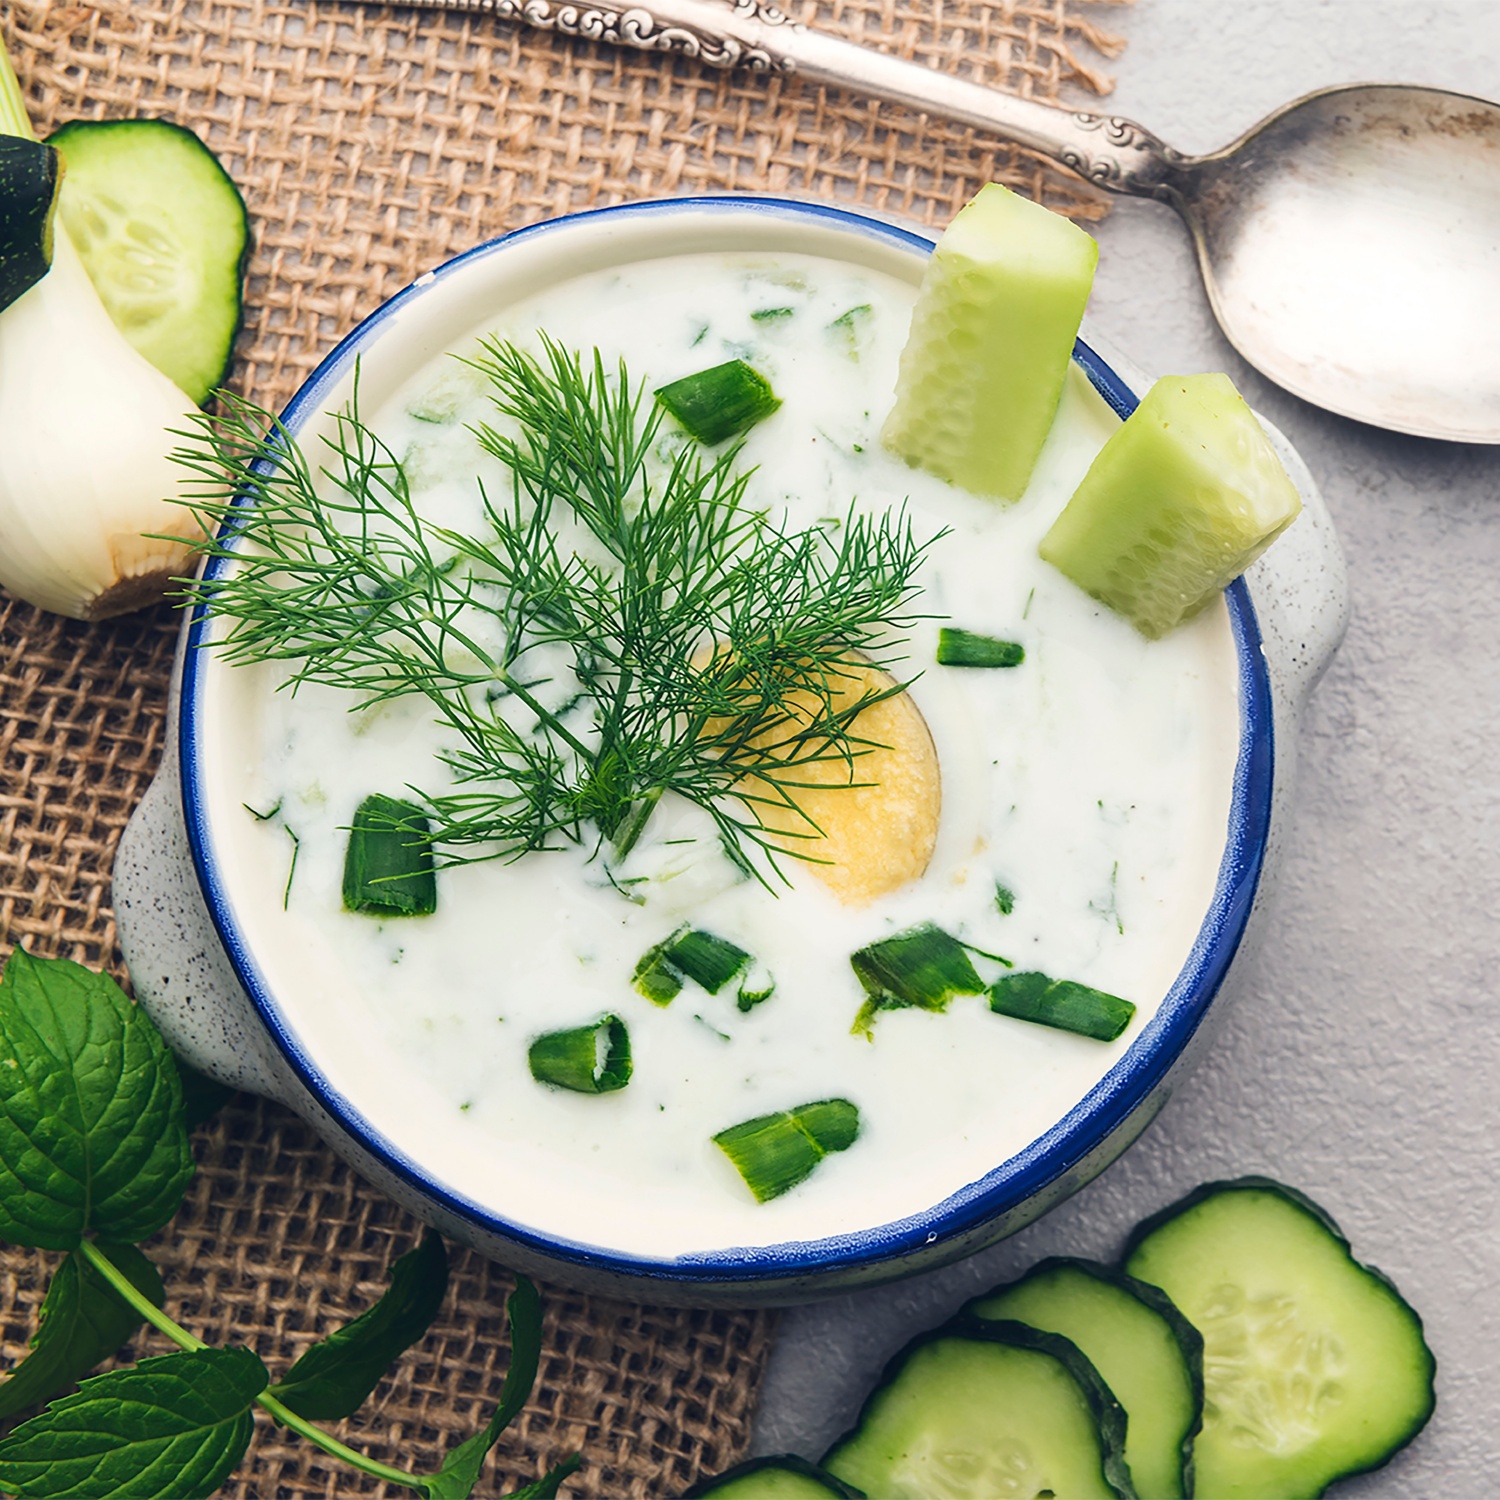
[1104,1110]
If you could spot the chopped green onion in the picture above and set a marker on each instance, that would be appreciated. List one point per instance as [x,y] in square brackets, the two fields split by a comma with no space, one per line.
[773,1153]
[964,648]
[721,402]
[1062,1003]
[772,314]
[851,329]
[388,868]
[587,1059]
[1005,899]
[756,985]
[709,961]
[923,968]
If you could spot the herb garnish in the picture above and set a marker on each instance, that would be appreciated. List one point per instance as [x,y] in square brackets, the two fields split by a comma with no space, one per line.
[710,646]
[94,1154]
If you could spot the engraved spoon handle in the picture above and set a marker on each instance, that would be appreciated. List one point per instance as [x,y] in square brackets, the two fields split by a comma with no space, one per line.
[1108,151]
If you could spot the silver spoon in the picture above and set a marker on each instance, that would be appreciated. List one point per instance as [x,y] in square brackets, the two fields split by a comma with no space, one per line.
[1350,243]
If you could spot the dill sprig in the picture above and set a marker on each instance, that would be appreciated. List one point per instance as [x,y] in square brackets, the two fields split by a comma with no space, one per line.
[625,625]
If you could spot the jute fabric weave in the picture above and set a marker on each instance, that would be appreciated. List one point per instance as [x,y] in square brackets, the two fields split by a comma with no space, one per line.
[371,144]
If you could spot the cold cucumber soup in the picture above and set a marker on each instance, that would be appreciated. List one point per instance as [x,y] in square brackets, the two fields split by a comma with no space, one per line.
[1084,799]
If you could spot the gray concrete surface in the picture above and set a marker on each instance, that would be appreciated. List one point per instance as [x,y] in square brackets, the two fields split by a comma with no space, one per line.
[1363,1064]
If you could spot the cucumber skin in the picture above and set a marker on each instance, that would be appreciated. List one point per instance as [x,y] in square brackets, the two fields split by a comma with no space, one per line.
[1108,1414]
[1254,1183]
[70,135]
[1189,1340]
[31,173]
[779,1463]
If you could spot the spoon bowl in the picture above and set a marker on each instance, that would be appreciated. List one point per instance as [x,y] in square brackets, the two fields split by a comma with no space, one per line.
[1350,247]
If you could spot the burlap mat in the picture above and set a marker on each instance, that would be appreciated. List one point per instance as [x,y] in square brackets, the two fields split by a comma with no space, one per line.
[372,144]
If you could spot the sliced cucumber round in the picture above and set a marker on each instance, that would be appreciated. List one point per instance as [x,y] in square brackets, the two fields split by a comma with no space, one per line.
[978,1410]
[782,1477]
[1314,1366]
[1148,1354]
[164,235]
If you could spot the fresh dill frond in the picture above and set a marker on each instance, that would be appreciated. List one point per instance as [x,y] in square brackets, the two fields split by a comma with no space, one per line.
[685,643]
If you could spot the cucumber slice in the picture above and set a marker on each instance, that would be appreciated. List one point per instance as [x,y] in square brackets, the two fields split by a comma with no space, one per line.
[991,337]
[1148,1354]
[1178,503]
[782,1477]
[1314,1367]
[28,197]
[164,236]
[978,1410]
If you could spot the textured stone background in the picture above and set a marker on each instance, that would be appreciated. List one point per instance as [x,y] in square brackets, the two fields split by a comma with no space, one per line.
[1363,1062]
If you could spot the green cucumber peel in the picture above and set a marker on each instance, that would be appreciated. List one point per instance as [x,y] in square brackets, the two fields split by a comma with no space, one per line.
[1316,1368]
[89,1095]
[1148,1354]
[30,176]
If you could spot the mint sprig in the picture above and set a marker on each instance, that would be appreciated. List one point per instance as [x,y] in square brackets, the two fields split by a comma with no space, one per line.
[334,1378]
[94,1152]
[82,1322]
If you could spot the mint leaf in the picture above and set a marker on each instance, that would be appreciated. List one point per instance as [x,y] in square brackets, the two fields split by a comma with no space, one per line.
[91,1131]
[335,1376]
[547,1486]
[460,1471]
[169,1428]
[83,1320]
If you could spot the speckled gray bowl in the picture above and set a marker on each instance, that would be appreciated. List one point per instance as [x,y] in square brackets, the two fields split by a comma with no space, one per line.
[195,973]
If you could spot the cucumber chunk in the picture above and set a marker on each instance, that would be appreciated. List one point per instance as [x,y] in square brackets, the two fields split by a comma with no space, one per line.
[1148,1354]
[782,1477]
[1314,1367]
[29,176]
[977,1410]
[164,235]
[991,337]
[1177,504]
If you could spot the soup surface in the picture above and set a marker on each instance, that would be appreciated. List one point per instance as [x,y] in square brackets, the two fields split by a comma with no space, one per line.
[1092,782]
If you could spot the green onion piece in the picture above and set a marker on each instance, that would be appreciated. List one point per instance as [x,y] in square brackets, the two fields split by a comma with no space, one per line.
[721,402]
[1005,899]
[773,1153]
[756,986]
[388,868]
[709,961]
[587,1059]
[923,968]
[850,329]
[1062,1003]
[771,314]
[29,180]
[964,648]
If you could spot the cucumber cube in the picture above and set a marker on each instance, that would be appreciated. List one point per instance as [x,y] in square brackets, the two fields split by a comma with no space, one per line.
[1179,502]
[991,336]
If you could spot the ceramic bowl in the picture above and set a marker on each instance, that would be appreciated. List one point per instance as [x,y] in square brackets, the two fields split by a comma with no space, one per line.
[199,975]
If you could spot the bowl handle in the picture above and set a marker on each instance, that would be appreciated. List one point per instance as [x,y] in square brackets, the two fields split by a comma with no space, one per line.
[176,958]
[1301,589]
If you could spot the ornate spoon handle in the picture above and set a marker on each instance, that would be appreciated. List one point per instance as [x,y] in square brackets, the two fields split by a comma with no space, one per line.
[1110,152]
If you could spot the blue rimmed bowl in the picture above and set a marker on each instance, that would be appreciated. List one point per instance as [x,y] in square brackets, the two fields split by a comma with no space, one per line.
[196,968]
